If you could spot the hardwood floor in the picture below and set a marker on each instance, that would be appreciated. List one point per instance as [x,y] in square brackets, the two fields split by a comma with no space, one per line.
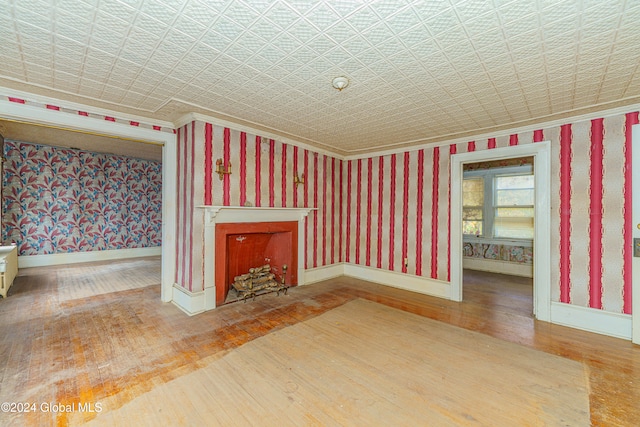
[117,346]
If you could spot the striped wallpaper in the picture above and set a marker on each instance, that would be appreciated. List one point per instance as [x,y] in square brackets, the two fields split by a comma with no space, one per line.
[591,210]
[262,174]
[391,212]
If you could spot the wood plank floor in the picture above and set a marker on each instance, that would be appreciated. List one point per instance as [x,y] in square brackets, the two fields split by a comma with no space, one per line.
[120,345]
[366,364]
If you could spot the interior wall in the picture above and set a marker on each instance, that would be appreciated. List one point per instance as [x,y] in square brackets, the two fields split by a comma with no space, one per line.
[59,200]
[397,208]
[494,256]
[262,174]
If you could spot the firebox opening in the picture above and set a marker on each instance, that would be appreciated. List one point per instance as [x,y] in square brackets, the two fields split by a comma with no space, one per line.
[249,246]
[249,250]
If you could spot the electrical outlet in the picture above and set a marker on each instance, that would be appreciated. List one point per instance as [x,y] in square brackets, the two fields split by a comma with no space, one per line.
[636,247]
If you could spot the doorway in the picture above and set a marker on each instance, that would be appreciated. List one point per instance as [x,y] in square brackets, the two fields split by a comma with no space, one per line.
[498,232]
[541,152]
[37,115]
[635,303]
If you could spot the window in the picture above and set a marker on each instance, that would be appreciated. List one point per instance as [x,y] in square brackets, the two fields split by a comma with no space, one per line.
[472,205]
[499,203]
[513,206]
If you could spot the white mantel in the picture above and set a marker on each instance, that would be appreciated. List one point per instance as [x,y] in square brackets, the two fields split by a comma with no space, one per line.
[224,214]
[197,302]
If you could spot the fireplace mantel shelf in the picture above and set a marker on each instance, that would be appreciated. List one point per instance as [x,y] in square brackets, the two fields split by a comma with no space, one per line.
[218,214]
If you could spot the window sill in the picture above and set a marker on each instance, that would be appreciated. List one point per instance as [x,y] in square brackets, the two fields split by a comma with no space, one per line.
[499,241]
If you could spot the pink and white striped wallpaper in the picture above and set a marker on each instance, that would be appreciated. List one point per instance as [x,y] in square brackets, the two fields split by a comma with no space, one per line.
[591,208]
[397,208]
[262,174]
[384,210]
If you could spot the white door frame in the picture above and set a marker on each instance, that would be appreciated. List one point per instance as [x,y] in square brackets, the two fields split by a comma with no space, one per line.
[42,116]
[541,151]
[635,265]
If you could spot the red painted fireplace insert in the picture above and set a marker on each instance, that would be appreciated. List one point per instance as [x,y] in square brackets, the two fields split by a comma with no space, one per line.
[241,246]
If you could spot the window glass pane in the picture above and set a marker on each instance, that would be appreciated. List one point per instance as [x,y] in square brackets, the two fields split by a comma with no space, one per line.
[472,205]
[472,213]
[513,227]
[513,190]
[514,212]
[511,182]
[514,197]
[473,192]
[472,227]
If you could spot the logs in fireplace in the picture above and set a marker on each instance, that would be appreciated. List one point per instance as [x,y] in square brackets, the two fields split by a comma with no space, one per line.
[258,281]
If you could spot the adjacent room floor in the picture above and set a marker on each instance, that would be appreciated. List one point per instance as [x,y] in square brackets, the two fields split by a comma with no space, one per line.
[92,339]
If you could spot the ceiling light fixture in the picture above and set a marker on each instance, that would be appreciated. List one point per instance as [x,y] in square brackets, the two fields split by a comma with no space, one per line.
[340,83]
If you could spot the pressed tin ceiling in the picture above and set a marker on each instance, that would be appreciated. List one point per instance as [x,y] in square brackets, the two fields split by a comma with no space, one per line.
[419,71]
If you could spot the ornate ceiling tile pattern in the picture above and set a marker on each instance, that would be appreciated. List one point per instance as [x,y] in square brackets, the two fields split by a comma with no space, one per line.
[420,71]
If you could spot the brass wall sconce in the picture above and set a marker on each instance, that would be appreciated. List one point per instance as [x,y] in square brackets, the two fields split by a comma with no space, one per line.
[221,170]
[297,180]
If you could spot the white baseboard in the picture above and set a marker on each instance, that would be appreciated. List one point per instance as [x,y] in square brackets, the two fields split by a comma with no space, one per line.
[502,267]
[394,279]
[587,319]
[319,274]
[26,261]
[193,302]
[592,320]
[423,285]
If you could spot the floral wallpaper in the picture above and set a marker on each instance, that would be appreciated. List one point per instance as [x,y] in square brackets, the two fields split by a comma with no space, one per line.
[498,252]
[58,200]
[520,161]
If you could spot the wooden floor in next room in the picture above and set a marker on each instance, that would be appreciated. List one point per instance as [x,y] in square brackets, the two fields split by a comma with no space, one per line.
[98,332]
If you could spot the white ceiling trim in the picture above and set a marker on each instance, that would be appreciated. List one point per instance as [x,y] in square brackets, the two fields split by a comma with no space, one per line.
[34,98]
[517,130]
[188,118]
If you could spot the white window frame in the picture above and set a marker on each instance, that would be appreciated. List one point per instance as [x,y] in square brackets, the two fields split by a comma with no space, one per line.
[488,211]
[495,206]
